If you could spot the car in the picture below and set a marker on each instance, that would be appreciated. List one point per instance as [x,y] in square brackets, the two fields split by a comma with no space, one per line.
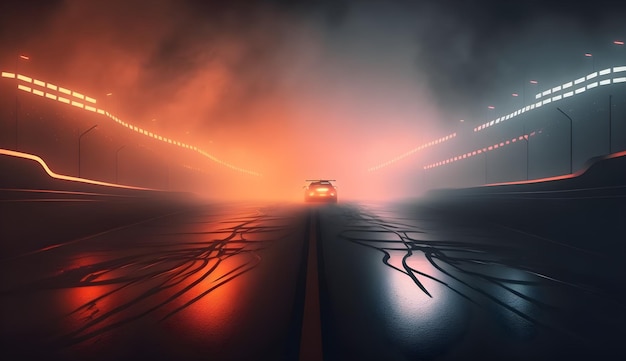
[320,190]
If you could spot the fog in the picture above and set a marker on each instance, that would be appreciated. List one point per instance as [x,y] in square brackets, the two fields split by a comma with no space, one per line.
[293,92]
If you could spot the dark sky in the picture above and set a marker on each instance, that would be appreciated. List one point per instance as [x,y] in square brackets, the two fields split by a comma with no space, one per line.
[457,46]
[237,73]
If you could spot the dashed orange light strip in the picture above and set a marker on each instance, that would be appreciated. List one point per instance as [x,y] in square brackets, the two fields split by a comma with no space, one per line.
[412,151]
[480,151]
[52,174]
[81,101]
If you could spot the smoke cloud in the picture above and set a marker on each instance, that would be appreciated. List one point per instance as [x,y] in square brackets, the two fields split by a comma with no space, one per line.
[299,90]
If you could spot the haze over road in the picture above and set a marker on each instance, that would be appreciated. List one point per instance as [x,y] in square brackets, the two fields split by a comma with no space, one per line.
[396,281]
[154,156]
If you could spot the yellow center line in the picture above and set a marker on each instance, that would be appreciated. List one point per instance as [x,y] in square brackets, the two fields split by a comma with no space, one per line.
[311,339]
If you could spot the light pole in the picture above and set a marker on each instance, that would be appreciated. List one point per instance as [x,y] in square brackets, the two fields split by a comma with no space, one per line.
[17,62]
[593,61]
[571,126]
[79,138]
[490,109]
[489,113]
[516,100]
[107,103]
[527,139]
[620,44]
[610,121]
[116,162]
[533,82]
[485,153]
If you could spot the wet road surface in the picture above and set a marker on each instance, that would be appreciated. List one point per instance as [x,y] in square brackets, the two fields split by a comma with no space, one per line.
[366,281]
[417,283]
[210,283]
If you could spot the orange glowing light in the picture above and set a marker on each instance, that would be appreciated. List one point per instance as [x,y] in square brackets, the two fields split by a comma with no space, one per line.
[24,57]
[77,104]
[618,42]
[52,174]
[102,112]
[24,78]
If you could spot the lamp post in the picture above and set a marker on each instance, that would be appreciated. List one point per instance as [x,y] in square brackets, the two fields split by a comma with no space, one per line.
[107,103]
[527,139]
[516,97]
[532,82]
[485,153]
[17,62]
[489,112]
[610,121]
[593,61]
[571,126]
[620,44]
[116,162]
[79,138]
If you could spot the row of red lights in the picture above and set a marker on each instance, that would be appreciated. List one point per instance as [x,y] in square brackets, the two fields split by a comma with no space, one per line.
[480,151]
[518,112]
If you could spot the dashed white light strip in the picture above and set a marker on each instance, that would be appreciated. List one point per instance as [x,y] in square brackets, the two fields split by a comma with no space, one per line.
[81,105]
[560,88]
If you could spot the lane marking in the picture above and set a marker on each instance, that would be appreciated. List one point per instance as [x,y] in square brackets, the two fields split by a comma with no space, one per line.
[311,336]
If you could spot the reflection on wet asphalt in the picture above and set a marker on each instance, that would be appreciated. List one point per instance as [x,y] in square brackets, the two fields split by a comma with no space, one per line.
[396,282]
[454,289]
[177,282]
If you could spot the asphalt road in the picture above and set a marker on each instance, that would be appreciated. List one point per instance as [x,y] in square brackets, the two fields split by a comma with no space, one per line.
[353,281]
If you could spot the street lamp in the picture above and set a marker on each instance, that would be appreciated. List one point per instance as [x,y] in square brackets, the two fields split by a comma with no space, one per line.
[79,138]
[527,139]
[107,103]
[620,43]
[533,82]
[489,112]
[610,123]
[593,61]
[116,162]
[571,125]
[17,62]
[516,99]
